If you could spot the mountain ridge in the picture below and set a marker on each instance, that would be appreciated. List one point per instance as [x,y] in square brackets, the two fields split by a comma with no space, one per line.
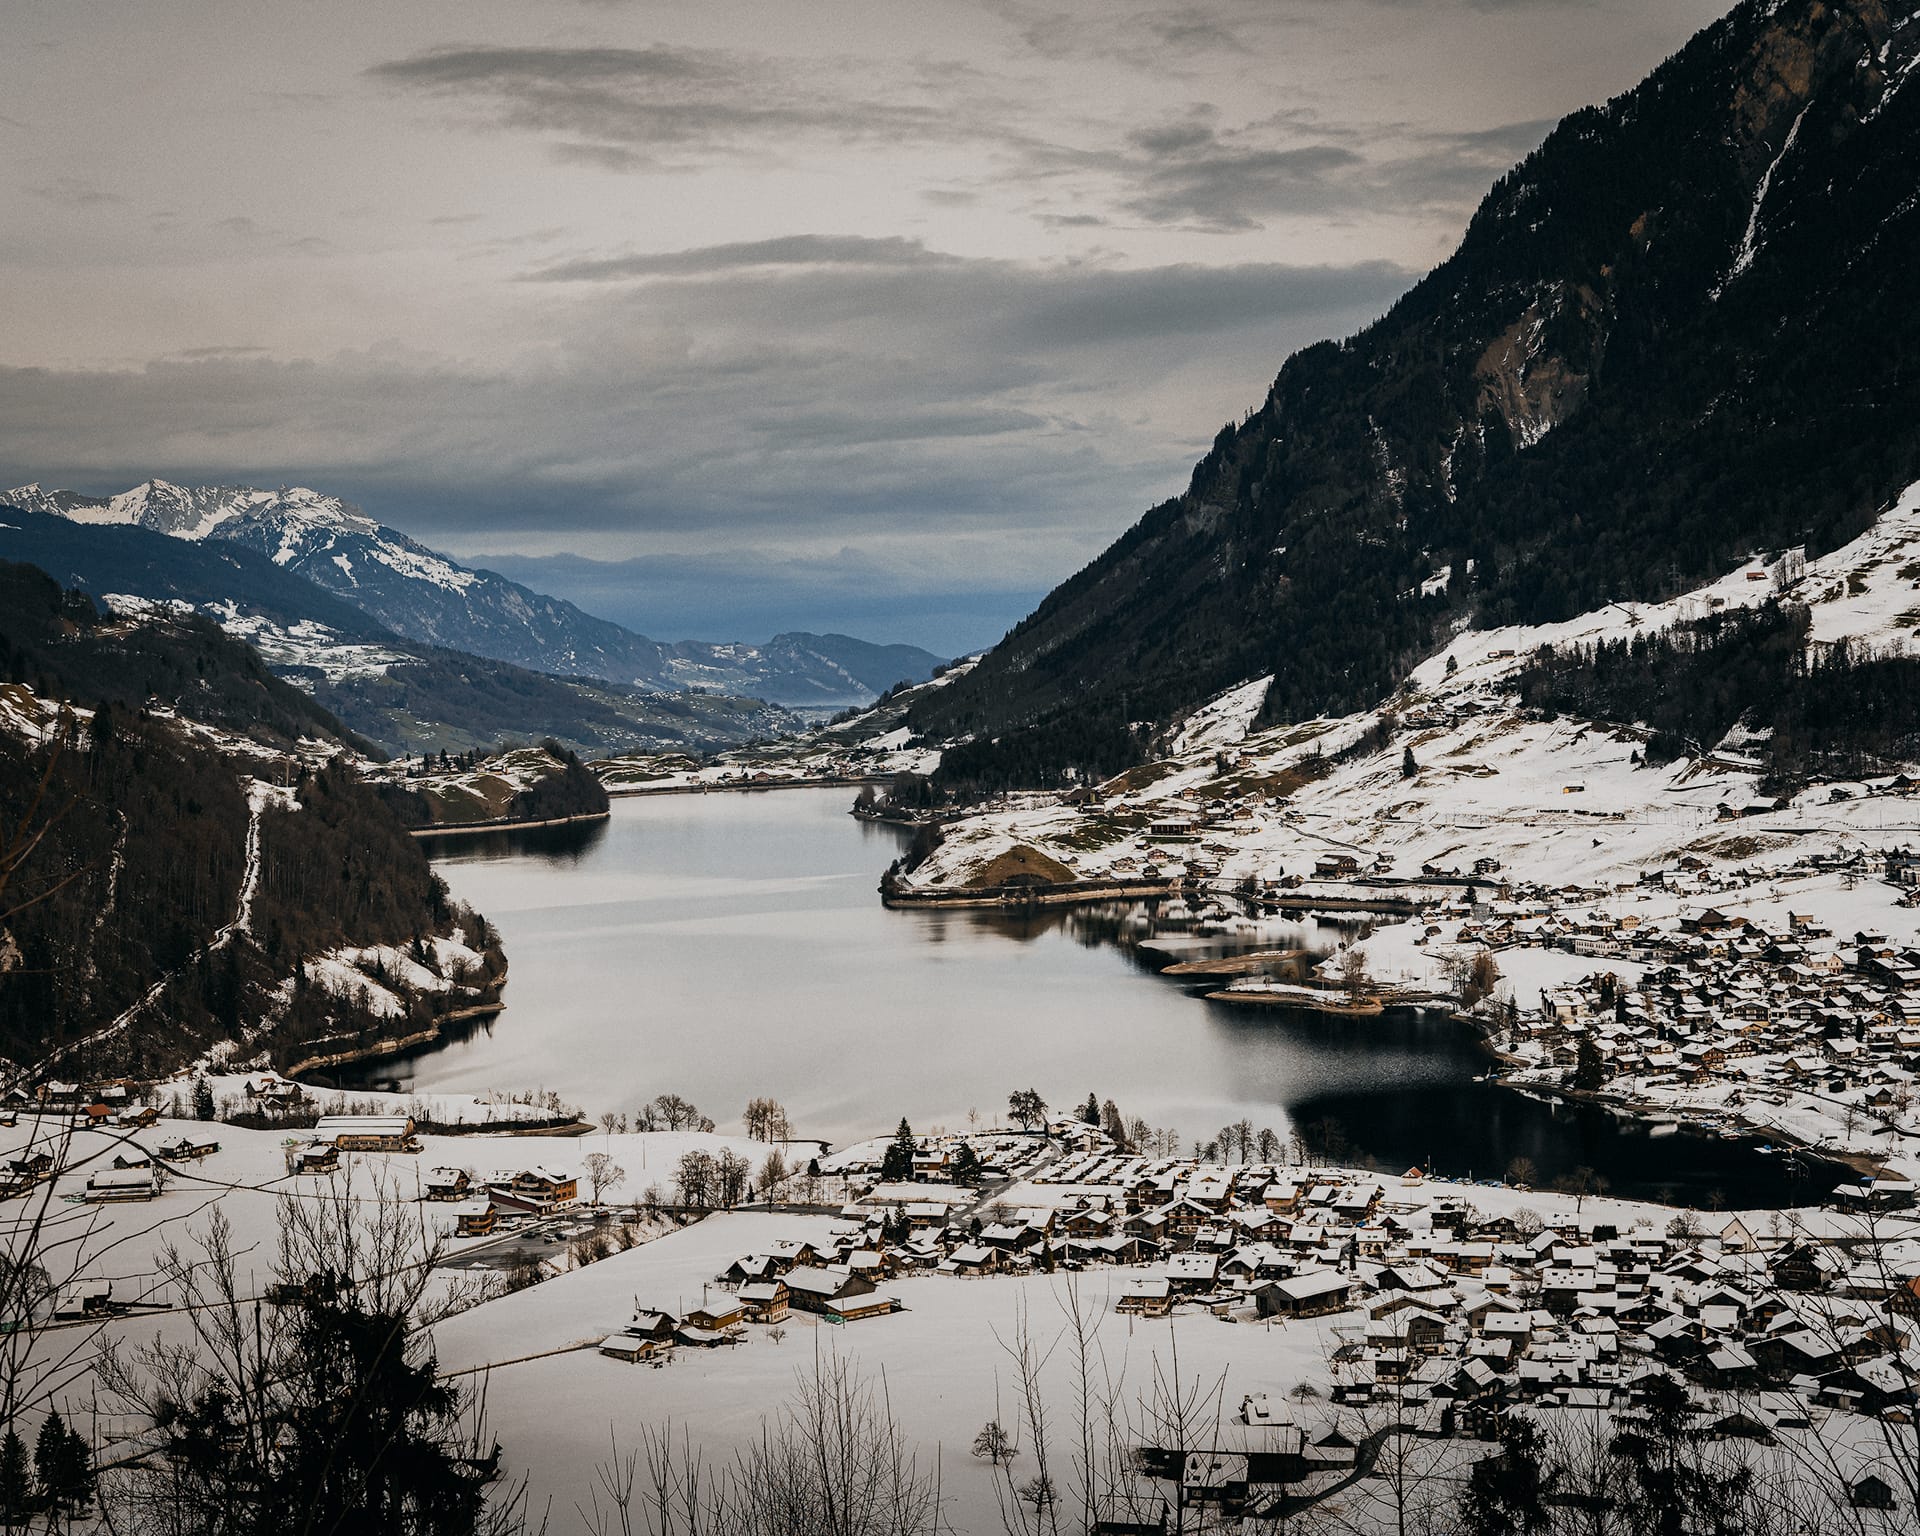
[415,592]
[402,694]
[1671,336]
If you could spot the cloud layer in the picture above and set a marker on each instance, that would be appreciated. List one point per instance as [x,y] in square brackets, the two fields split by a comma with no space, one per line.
[799,302]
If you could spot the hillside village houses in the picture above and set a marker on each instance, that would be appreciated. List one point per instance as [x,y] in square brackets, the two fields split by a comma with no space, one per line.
[1715,1015]
[1445,1303]
[1448,1314]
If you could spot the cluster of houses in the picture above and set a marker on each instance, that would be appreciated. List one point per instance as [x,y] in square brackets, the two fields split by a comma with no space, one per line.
[997,1156]
[1441,1304]
[837,1282]
[1431,1309]
[84,1106]
[478,1205]
[1765,1015]
[133,1173]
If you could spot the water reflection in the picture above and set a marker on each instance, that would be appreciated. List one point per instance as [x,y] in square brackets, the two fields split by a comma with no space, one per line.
[724,946]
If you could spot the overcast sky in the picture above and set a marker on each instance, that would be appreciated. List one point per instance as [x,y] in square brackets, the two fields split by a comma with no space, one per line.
[731,316]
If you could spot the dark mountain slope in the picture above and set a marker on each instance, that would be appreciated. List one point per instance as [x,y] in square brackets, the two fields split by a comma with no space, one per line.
[62,646]
[155,897]
[149,564]
[1680,331]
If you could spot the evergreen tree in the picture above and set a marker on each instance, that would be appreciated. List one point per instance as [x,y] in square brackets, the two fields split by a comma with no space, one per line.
[966,1166]
[76,1478]
[16,1481]
[202,1099]
[1090,1111]
[49,1453]
[1408,765]
[898,1163]
[1506,1492]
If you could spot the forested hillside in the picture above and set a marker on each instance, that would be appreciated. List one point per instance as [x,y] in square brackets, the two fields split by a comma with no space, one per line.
[1847,713]
[62,646]
[166,887]
[1679,332]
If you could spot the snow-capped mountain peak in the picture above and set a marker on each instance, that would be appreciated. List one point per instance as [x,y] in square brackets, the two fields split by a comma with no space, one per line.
[422,595]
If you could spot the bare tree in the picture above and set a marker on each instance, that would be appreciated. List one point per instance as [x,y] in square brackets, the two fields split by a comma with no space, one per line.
[833,1462]
[774,1175]
[766,1120]
[994,1443]
[1353,973]
[732,1174]
[316,1406]
[603,1174]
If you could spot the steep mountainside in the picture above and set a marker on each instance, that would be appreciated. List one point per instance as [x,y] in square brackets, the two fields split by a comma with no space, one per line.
[146,564]
[404,587]
[401,584]
[1680,332]
[61,646]
[205,876]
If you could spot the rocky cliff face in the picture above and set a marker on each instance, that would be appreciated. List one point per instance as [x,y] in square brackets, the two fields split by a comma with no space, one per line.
[1675,334]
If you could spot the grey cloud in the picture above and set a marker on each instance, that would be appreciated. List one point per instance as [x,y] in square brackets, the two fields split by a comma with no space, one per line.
[601,157]
[1229,189]
[923,404]
[610,104]
[1188,173]
[1173,138]
[627,110]
[71,192]
[783,251]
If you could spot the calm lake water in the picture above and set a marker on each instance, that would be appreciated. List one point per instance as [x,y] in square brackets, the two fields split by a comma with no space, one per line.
[726,946]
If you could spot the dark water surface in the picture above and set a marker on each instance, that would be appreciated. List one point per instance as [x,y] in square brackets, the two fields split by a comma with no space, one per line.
[725,946]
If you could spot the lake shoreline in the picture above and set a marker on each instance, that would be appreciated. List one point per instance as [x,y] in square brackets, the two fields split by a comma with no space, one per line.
[631,791]
[757,914]
[462,828]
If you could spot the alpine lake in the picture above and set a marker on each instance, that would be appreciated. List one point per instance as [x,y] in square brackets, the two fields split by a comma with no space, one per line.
[726,946]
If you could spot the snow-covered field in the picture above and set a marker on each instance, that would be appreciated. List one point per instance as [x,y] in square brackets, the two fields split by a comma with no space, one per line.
[248,1176]
[1560,800]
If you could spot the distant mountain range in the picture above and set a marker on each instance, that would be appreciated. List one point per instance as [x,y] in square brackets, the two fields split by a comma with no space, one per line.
[399,694]
[411,591]
[1681,332]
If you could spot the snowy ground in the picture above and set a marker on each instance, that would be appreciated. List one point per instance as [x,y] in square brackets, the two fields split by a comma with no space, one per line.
[247,1177]
[558,1406]
[1553,800]
[943,1359]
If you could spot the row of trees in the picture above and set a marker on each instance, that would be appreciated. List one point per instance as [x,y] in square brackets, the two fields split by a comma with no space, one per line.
[707,1180]
[59,1481]
[1848,710]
